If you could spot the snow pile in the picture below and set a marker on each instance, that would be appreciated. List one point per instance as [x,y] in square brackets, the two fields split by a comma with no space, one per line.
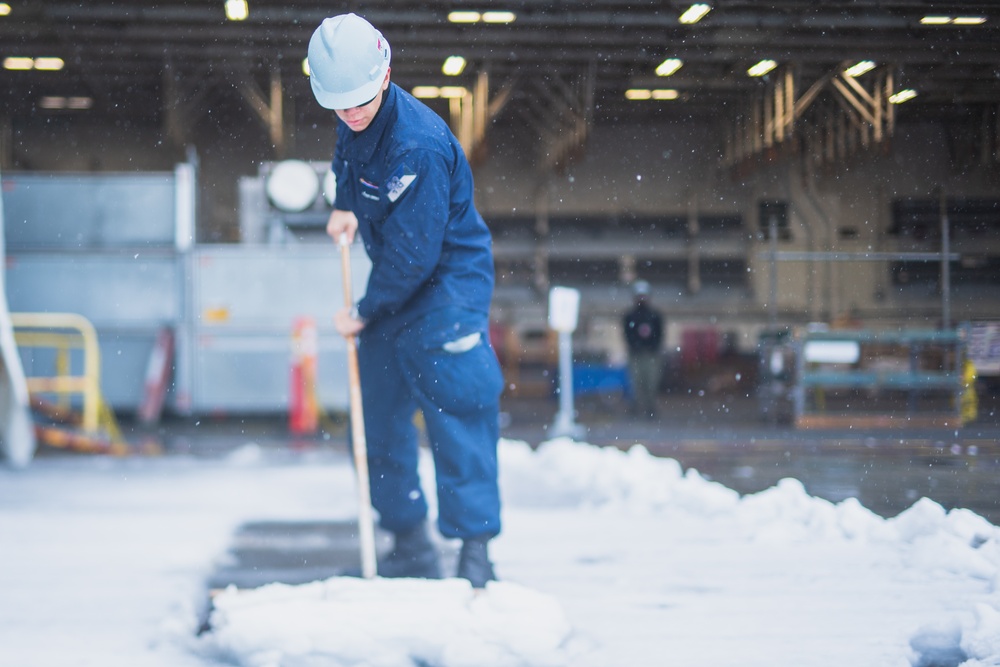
[981,638]
[930,539]
[563,472]
[388,623]
[962,544]
[970,640]
[385,623]
[937,644]
[607,558]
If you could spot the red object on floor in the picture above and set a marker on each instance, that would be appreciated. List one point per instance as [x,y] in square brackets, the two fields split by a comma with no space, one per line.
[303,408]
[158,373]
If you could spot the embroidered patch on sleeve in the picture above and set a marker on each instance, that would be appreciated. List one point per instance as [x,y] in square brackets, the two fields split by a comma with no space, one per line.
[398,182]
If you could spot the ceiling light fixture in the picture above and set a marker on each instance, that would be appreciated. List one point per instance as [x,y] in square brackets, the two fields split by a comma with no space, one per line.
[4,9]
[237,10]
[19,63]
[499,17]
[762,68]
[49,64]
[969,20]
[60,102]
[460,16]
[305,66]
[426,92]
[695,13]
[432,92]
[464,16]
[958,20]
[453,65]
[903,96]
[669,66]
[647,94]
[859,68]
[23,63]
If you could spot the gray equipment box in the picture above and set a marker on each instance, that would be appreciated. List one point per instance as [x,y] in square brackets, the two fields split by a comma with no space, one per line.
[105,246]
[115,248]
[245,302]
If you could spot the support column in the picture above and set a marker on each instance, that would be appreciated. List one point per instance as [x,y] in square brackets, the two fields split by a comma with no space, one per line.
[268,108]
[6,143]
[694,255]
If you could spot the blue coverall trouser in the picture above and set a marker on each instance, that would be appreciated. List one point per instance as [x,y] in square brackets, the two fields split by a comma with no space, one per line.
[403,369]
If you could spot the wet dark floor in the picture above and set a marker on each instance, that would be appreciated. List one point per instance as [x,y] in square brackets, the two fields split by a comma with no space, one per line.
[884,477]
[292,552]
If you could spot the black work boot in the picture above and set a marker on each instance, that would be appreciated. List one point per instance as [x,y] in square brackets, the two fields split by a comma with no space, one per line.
[413,556]
[474,562]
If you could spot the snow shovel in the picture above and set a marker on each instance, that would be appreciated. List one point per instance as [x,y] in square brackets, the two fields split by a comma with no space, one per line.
[366,523]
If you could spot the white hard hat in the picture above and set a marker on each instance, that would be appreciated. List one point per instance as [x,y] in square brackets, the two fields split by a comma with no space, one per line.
[640,288]
[348,59]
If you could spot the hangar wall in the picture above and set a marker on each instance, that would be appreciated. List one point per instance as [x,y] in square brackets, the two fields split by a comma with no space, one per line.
[666,168]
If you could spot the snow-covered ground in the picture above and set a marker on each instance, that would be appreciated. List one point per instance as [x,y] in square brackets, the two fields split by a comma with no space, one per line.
[607,558]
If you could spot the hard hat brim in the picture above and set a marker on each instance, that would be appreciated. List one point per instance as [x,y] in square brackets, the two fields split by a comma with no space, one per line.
[351,99]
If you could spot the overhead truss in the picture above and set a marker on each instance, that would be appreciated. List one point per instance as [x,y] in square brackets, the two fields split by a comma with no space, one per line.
[851,115]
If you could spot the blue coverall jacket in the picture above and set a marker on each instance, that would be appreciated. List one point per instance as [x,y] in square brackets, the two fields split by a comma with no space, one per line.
[425,343]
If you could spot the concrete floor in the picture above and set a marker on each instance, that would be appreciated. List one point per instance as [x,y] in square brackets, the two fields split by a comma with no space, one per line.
[724,437]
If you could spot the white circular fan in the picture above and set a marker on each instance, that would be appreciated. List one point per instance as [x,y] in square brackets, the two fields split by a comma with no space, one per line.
[330,187]
[292,186]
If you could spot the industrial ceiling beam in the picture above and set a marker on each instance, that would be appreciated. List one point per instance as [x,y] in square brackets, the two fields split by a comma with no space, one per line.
[119,52]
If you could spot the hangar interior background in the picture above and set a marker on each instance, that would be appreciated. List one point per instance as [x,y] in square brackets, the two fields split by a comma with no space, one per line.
[610,141]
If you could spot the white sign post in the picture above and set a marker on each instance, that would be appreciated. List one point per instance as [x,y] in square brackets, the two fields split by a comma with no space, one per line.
[17,434]
[564,309]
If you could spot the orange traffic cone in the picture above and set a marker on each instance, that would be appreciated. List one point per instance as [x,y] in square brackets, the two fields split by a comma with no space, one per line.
[303,410]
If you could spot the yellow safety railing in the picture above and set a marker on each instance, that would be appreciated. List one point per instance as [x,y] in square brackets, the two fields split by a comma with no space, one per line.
[64,332]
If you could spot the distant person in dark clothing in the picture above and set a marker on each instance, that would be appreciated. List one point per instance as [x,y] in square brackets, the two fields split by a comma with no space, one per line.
[643,326]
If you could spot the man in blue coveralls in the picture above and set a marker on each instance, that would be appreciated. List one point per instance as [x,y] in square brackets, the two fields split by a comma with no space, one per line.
[404,183]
